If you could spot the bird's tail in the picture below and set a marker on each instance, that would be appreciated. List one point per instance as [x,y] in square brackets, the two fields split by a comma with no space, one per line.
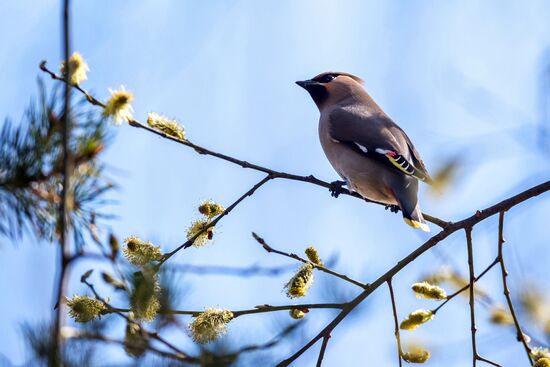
[415,219]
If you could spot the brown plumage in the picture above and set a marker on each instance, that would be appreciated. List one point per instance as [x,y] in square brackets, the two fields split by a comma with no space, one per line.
[366,148]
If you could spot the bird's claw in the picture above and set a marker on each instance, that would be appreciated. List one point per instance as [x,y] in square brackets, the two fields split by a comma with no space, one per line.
[336,188]
[392,208]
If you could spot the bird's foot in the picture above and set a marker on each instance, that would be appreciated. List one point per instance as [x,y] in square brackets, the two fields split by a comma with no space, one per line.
[336,188]
[392,208]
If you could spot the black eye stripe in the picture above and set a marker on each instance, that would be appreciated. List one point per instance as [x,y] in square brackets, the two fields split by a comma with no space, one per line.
[326,78]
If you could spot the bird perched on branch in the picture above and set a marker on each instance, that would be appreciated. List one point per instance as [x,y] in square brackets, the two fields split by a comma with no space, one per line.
[373,155]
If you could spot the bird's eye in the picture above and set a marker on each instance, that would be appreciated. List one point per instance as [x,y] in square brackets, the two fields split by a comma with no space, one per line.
[326,78]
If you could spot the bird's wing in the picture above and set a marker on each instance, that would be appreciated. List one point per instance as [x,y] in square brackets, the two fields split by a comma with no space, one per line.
[378,137]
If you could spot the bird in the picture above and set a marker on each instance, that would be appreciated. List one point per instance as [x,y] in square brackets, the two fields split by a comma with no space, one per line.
[372,154]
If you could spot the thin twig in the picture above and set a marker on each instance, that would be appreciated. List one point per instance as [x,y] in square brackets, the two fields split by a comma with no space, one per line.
[255,310]
[396,323]
[154,335]
[453,295]
[472,280]
[479,358]
[323,350]
[504,272]
[201,150]
[190,241]
[268,248]
[450,229]
[472,293]
[106,339]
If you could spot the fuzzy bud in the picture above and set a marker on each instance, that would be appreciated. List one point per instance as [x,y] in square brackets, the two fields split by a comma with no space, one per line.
[313,255]
[109,279]
[78,69]
[84,308]
[300,283]
[539,353]
[168,126]
[426,290]
[118,106]
[139,252]
[296,313]
[416,354]
[500,316]
[198,226]
[210,209]
[144,298]
[136,340]
[210,325]
[113,244]
[416,318]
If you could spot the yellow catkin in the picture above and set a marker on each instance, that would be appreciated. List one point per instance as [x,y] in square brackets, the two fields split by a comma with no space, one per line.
[78,69]
[198,226]
[542,362]
[415,319]
[539,353]
[139,252]
[299,284]
[535,303]
[500,316]
[297,314]
[210,209]
[416,354]
[119,107]
[145,295]
[84,308]
[166,125]
[313,255]
[426,290]
[136,340]
[210,325]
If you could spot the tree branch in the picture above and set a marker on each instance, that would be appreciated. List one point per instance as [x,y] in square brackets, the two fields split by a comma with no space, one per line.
[396,323]
[450,229]
[106,339]
[322,350]
[255,310]
[190,241]
[268,248]
[154,335]
[504,272]
[472,293]
[451,296]
[244,164]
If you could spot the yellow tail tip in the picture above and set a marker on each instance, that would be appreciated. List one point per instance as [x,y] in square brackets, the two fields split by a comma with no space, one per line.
[417,224]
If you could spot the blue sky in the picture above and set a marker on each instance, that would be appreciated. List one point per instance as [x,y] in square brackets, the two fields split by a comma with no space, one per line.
[461,77]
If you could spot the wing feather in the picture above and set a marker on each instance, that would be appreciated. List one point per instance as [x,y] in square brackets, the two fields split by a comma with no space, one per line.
[376,136]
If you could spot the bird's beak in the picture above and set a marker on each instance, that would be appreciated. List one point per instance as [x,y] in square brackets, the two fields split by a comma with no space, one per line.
[306,84]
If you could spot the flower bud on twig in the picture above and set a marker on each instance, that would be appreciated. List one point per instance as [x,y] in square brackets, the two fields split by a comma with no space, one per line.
[300,283]
[313,255]
[415,319]
[168,126]
[210,325]
[426,290]
[84,308]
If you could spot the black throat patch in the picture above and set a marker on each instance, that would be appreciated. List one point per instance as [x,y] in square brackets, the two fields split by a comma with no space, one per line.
[318,93]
